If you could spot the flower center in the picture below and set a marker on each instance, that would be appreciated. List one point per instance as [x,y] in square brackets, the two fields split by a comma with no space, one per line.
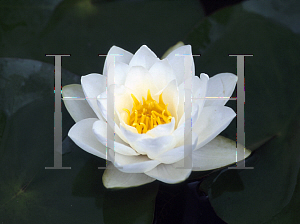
[149,114]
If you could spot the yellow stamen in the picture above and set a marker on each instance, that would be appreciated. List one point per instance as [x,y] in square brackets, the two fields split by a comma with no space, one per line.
[151,122]
[164,117]
[158,115]
[158,120]
[144,128]
[135,100]
[147,114]
[149,97]
[161,102]
[147,122]
[144,101]
[138,128]
[135,116]
[158,107]
[143,118]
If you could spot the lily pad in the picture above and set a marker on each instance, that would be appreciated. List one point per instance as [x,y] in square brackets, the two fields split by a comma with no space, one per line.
[285,12]
[86,28]
[29,193]
[271,112]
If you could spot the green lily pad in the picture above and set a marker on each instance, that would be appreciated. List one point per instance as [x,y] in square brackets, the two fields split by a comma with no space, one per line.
[86,28]
[29,193]
[271,113]
[285,12]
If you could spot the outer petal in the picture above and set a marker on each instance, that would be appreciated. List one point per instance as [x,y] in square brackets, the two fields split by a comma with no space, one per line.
[134,164]
[194,115]
[78,109]
[199,88]
[162,73]
[144,144]
[217,153]
[120,54]
[82,134]
[179,132]
[176,59]
[102,104]
[171,173]
[119,70]
[211,122]
[143,57]
[179,135]
[220,85]
[180,109]
[113,178]
[100,131]
[93,85]
[176,154]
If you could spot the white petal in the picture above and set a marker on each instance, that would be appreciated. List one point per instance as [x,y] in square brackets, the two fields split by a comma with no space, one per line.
[77,106]
[102,104]
[217,153]
[171,97]
[176,59]
[143,57]
[119,71]
[162,73]
[172,173]
[134,164]
[144,144]
[194,115]
[212,121]
[116,54]
[180,109]
[179,131]
[100,131]
[93,85]
[113,178]
[176,154]
[220,85]
[120,134]
[122,97]
[140,80]
[162,129]
[199,88]
[123,100]
[82,134]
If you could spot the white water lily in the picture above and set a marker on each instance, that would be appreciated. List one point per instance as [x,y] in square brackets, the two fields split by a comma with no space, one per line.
[150,118]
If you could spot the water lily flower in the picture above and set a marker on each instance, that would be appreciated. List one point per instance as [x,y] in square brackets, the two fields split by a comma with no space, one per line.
[149,118]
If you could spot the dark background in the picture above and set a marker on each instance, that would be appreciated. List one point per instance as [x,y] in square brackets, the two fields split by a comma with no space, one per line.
[29,29]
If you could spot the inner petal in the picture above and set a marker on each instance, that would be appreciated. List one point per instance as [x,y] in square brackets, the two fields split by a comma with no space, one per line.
[147,114]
